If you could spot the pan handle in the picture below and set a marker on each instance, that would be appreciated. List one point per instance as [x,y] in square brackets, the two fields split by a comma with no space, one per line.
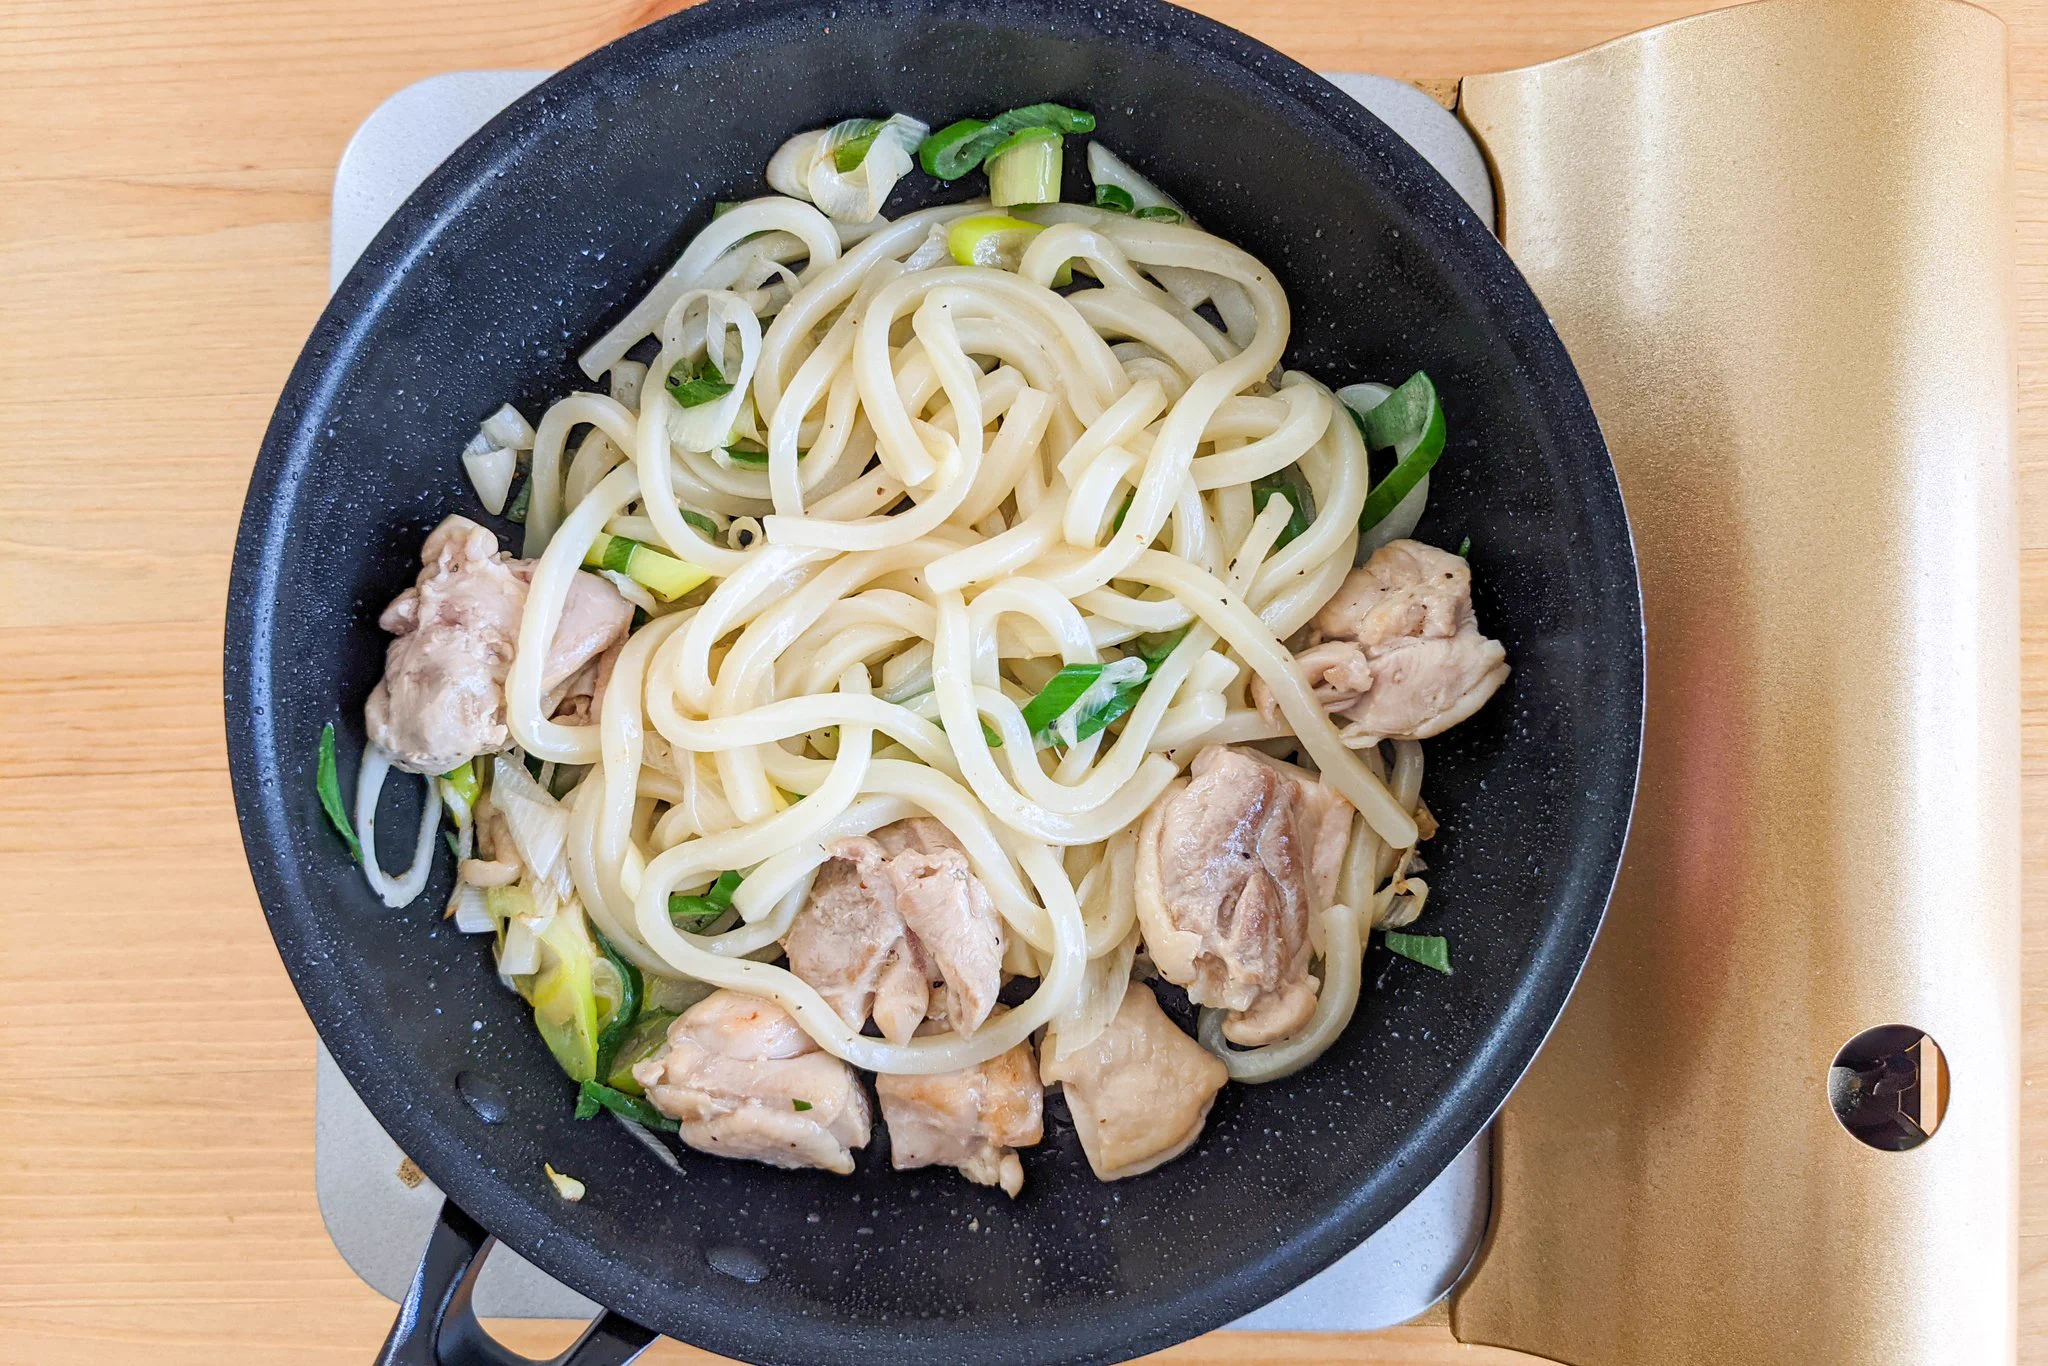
[437,1323]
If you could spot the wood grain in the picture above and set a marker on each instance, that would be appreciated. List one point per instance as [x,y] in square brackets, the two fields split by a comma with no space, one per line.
[164,173]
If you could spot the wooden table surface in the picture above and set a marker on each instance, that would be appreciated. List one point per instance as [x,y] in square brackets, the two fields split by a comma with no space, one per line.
[164,177]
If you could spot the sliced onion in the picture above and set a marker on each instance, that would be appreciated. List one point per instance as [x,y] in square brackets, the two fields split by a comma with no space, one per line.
[521,952]
[1095,1005]
[472,911]
[803,167]
[725,318]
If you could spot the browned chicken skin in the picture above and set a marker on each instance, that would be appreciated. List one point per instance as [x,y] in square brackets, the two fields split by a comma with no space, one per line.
[1398,653]
[1232,863]
[441,701]
[744,1080]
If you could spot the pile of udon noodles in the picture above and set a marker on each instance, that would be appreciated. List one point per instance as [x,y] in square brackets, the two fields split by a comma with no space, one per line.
[971,478]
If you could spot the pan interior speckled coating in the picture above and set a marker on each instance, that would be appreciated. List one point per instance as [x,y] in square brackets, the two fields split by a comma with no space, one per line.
[529,241]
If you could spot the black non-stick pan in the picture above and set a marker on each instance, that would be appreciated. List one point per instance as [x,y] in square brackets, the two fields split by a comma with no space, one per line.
[530,240]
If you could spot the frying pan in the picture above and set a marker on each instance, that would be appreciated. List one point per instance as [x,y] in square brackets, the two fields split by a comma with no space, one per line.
[534,237]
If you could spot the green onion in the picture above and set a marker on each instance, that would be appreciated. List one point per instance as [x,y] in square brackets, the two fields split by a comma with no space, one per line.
[1114,198]
[850,140]
[329,787]
[662,574]
[704,525]
[1411,421]
[642,1041]
[721,207]
[454,845]
[1288,483]
[988,732]
[1159,213]
[1465,549]
[992,239]
[515,511]
[624,1013]
[1116,523]
[1430,950]
[692,386]
[747,453]
[958,148]
[1025,169]
[714,902]
[1059,695]
[592,1097]
[944,153]
[465,782]
[799,1105]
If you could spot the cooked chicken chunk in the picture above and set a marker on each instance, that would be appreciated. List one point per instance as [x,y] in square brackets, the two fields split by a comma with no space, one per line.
[442,698]
[888,916]
[851,944]
[973,1119]
[1140,1092]
[1232,862]
[744,1080]
[1398,652]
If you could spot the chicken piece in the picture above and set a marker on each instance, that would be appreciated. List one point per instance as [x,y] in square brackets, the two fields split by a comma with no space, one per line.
[744,1080]
[851,944]
[890,914]
[1231,865]
[1140,1092]
[441,701]
[1398,652]
[973,1119]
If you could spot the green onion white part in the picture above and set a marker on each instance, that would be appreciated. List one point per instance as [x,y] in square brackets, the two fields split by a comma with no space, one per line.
[1026,169]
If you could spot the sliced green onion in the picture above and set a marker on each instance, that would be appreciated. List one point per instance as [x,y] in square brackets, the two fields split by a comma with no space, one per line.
[1288,483]
[849,141]
[958,148]
[991,239]
[799,1105]
[515,511]
[721,207]
[707,906]
[594,1096]
[692,385]
[1465,549]
[747,453]
[1059,695]
[624,1014]
[945,153]
[463,783]
[640,1042]
[328,785]
[1114,198]
[1116,523]
[1025,168]
[704,525]
[1159,213]
[662,574]
[1430,950]
[1411,421]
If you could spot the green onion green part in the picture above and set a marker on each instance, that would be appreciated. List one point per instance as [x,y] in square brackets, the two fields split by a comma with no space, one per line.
[1115,198]
[1059,695]
[1465,549]
[958,148]
[515,511]
[625,1013]
[1288,483]
[706,907]
[593,1096]
[704,525]
[465,782]
[329,788]
[1430,950]
[661,573]
[693,385]
[1412,422]
[1160,213]
[799,1105]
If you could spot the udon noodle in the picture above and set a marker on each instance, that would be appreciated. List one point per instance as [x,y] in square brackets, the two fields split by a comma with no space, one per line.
[917,491]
